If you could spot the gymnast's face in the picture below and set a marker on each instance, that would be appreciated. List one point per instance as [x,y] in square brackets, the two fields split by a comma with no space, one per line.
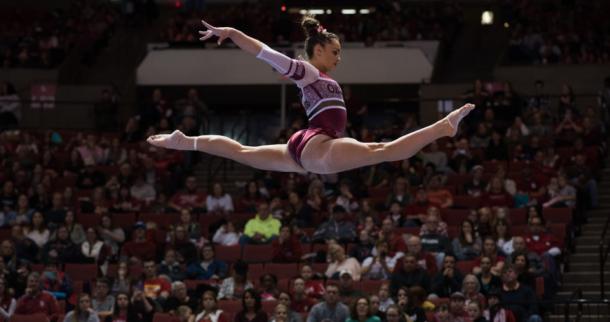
[328,56]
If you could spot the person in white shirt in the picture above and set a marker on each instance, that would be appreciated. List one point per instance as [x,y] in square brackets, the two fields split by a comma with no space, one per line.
[227,235]
[381,266]
[219,201]
[39,232]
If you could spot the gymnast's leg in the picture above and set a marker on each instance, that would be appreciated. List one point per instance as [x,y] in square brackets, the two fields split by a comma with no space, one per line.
[325,155]
[266,157]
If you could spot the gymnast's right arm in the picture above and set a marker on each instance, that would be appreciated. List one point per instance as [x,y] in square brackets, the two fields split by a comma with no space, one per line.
[302,73]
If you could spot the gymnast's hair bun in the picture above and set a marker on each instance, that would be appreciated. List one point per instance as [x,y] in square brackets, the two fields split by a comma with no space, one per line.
[310,26]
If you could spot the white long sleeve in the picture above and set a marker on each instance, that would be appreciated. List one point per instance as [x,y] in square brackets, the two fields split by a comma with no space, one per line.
[301,72]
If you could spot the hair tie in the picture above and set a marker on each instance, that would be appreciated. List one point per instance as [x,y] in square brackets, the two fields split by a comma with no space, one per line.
[321,29]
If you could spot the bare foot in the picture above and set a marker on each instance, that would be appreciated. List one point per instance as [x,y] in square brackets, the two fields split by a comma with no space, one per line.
[454,118]
[177,141]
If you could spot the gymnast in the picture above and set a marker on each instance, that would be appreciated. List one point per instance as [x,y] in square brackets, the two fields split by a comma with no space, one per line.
[320,148]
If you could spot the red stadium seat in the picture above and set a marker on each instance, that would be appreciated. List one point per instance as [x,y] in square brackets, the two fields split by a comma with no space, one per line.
[124,221]
[370,286]
[228,254]
[466,202]
[319,267]
[518,216]
[454,217]
[29,318]
[520,230]
[162,220]
[233,306]
[255,271]
[269,307]
[289,270]
[557,215]
[407,230]
[88,220]
[284,284]
[81,272]
[164,317]
[193,284]
[540,286]
[257,253]
[465,266]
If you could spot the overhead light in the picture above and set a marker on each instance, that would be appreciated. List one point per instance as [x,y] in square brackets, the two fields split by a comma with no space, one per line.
[316,11]
[506,25]
[348,11]
[328,11]
[487,18]
[365,11]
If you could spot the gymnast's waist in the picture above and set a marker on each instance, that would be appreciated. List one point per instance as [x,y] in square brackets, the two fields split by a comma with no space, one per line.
[332,121]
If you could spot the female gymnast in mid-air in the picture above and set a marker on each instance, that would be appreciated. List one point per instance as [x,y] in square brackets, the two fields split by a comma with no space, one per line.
[320,148]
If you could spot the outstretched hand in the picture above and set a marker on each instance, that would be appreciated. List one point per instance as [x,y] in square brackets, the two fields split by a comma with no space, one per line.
[221,32]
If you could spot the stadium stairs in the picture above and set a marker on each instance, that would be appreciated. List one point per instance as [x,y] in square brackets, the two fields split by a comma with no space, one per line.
[583,273]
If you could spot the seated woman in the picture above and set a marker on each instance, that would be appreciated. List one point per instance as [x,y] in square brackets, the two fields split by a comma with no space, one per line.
[252,310]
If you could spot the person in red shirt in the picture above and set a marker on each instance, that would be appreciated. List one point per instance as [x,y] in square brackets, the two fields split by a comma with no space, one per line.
[36,300]
[314,288]
[286,248]
[155,287]
[539,241]
[300,303]
[189,198]
[139,249]
[395,241]
[424,259]
[497,195]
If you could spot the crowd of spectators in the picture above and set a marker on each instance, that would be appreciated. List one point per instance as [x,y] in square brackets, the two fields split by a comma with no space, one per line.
[558,32]
[42,38]
[103,226]
[387,21]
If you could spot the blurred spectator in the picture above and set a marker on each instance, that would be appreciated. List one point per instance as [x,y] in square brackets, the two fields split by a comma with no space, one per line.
[178,298]
[457,307]
[170,266]
[182,244]
[210,310]
[286,248]
[438,195]
[467,245]
[226,235]
[518,298]
[283,312]
[487,280]
[496,196]
[112,236]
[300,302]
[82,311]
[490,249]
[339,263]
[155,286]
[331,309]
[338,226]
[234,287]
[219,202]
[61,248]
[400,193]
[314,286]
[448,280]
[435,156]
[564,196]
[36,300]
[94,250]
[268,287]
[142,191]
[471,290]
[7,300]
[495,311]
[189,198]
[409,274]
[424,259]
[502,235]
[364,248]
[347,290]
[252,310]
[208,267]
[261,229]
[380,267]
[539,241]
[102,301]
[122,283]
[139,248]
[475,312]
[38,232]
[361,311]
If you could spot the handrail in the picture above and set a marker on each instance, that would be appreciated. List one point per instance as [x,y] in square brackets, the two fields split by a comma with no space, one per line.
[603,256]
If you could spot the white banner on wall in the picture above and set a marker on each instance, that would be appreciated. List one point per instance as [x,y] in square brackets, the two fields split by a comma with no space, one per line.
[404,65]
